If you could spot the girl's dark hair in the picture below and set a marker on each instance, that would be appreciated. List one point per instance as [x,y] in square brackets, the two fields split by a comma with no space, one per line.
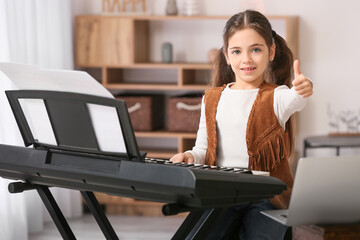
[279,70]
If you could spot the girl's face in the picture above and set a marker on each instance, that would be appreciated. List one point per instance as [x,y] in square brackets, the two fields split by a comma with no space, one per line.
[248,55]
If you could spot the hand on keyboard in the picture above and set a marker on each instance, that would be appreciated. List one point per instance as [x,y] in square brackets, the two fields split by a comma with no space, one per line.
[182,157]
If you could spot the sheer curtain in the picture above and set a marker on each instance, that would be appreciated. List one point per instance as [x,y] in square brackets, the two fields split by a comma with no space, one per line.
[37,32]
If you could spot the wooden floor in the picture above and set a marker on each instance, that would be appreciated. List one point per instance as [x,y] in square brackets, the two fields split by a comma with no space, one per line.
[126,227]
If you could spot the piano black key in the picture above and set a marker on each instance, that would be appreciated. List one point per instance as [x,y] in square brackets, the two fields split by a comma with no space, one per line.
[189,165]
[160,161]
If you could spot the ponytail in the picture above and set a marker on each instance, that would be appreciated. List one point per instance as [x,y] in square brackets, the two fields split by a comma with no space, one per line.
[280,73]
[222,72]
[280,69]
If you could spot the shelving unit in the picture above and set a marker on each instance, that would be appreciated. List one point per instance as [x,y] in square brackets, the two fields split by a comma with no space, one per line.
[122,49]
[119,46]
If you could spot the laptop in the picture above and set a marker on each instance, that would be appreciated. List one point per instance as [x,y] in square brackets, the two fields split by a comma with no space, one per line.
[326,191]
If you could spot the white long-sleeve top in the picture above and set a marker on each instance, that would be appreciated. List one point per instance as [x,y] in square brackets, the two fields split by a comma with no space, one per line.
[231,117]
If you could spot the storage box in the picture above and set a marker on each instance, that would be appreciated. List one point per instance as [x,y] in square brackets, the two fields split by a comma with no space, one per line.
[183,114]
[146,112]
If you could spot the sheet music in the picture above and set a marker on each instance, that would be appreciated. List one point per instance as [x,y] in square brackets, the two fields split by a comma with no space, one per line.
[21,77]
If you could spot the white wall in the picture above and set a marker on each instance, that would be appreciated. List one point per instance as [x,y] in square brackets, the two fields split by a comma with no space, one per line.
[328,52]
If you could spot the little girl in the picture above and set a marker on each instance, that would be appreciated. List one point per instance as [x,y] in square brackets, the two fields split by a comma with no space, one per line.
[245,118]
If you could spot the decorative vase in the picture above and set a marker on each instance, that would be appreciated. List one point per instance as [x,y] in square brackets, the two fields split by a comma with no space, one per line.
[166,52]
[191,8]
[171,8]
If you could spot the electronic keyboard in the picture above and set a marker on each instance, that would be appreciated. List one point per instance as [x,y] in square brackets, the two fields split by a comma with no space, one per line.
[153,180]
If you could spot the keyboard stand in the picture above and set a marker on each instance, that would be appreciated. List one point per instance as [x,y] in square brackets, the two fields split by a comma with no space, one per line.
[56,214]
[195,225]
[99,215]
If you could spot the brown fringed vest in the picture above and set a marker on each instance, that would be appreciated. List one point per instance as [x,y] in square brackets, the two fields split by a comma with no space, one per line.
[267,142]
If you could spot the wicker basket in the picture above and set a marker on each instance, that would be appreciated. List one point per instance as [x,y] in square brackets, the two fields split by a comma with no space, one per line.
[146,112]
[183,114]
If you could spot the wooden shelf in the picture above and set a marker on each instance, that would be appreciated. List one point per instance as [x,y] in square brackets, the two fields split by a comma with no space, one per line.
[189,76]
[128,206]
[160,17]
[142,86]
[178,17]
[205,66]
[166,134]
[159,153]
[185,142]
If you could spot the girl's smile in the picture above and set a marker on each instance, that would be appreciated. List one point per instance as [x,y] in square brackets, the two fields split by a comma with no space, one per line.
[248,70]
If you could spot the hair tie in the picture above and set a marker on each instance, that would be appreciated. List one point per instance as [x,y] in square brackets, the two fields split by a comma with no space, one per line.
[273,33]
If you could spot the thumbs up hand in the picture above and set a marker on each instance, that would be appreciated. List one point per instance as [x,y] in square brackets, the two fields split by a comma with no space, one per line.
[302,85]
